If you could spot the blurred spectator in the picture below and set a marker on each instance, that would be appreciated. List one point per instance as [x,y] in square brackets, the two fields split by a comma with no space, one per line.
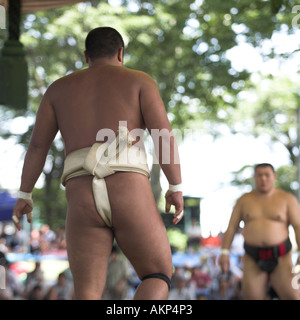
[237,268]
[202,296]
[13,239]
[12,286]
[47,237]
[194,234]
[237,291]
[182,291]
[69,275]
[62,290]
[116,280]
[35,241]
[36,293]
[34,279]
[201,280]
[175,277]
[60,239]
[3,247]
[2,272]
[226,289]
[213,269]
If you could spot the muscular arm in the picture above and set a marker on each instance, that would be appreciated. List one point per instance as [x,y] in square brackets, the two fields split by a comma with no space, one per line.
[233,225]
[43,134]
[157,122]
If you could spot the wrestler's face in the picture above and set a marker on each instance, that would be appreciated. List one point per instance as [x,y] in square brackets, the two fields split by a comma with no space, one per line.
[264,179]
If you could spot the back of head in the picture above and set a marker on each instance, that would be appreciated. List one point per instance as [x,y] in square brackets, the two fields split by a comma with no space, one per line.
[103,42]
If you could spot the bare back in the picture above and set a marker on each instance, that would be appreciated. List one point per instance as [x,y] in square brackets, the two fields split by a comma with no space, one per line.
[84,103]
[95,98]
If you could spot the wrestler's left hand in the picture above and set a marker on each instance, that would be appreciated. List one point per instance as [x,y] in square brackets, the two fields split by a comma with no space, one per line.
[21,208]
[176,200]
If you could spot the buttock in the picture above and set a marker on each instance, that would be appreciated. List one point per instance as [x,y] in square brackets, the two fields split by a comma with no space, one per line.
[81,201]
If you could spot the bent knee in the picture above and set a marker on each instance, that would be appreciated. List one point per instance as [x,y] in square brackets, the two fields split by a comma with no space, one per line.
[160,276]
[166,270]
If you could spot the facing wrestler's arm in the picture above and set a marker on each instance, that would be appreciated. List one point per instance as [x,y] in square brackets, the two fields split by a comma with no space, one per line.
[294,219]
[156,120]
[234,221]
[43,134]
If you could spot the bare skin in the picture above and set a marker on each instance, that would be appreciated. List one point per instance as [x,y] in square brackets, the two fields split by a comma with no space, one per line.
[267,213]
[79,105]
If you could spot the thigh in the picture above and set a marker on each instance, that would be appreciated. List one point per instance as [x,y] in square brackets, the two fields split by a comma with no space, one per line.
[255,281]
[138,227]
[282,277]
[89,242]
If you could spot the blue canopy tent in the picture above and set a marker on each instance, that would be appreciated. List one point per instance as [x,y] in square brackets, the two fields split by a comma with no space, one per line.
[7,203]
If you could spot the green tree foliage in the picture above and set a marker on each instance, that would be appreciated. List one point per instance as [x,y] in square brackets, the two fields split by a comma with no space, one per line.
[270,109]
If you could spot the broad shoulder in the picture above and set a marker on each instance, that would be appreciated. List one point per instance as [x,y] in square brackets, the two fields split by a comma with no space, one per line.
[288,196]
[106,70]
[277,194]
[63,82]
[141,76]
[247,196]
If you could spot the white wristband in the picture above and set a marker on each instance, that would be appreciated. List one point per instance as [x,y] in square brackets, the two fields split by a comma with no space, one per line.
[225,252]
[25,195]
[175,187]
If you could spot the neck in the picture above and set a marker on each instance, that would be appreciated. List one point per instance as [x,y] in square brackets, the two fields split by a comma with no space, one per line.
[265,193]
[104,62]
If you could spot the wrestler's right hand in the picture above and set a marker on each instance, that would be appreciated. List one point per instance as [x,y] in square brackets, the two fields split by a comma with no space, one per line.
[176,200]
[21,207]
[224,263]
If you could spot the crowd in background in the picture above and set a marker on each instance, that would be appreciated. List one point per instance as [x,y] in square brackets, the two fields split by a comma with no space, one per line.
[39,243]
[40,240]
[203,281]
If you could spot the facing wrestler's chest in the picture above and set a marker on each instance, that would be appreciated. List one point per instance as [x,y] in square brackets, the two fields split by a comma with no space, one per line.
[271,209]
